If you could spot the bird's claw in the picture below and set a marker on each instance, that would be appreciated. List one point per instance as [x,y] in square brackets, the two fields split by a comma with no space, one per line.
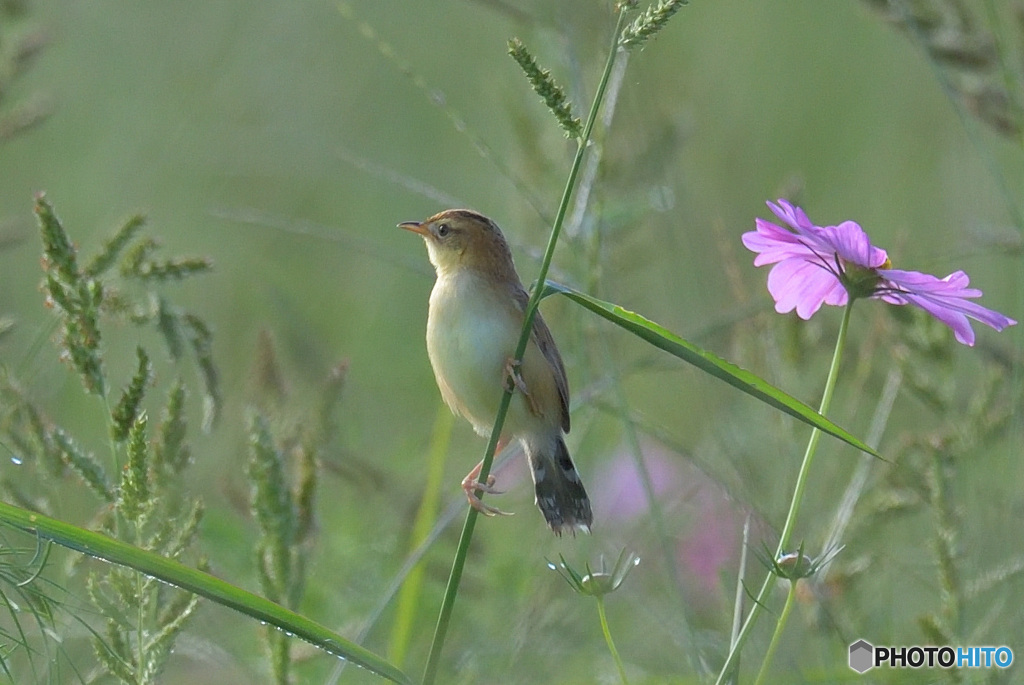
[486,509]
[512,370]
[512,367]
[470,485]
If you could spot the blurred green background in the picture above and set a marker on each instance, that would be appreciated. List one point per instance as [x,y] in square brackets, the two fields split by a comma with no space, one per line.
[286,140]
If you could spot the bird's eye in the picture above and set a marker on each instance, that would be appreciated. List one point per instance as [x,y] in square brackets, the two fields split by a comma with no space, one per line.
[443,230]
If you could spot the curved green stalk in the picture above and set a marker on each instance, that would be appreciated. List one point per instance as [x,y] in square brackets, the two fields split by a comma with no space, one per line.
[455,577]
[193,580]
[410,596]
[794,505]
[780,625]
[609,641]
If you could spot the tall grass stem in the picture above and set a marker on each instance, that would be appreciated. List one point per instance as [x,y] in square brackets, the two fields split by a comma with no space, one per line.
[455,577]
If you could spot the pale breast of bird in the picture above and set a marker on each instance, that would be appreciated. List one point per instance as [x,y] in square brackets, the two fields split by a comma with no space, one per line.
[469,342]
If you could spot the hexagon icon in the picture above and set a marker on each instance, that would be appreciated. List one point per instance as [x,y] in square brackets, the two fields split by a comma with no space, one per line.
[861,656]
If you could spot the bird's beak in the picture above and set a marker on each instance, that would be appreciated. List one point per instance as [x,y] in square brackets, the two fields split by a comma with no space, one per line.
[415,227]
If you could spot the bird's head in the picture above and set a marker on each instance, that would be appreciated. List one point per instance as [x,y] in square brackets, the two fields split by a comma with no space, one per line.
[461,238]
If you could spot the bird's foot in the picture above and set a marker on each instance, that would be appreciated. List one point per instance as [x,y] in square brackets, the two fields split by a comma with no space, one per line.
[470,485]
[512,370]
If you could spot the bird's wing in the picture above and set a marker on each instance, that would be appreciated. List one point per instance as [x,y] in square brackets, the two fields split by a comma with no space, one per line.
[541,336]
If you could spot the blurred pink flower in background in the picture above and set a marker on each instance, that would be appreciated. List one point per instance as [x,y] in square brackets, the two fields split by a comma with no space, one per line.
[703,521]
[619,488]
[712,544]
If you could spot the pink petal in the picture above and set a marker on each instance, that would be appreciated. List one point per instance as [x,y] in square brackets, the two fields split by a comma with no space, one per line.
[851,243]
[801,285]
[773,248]
[791,214]
[945,299]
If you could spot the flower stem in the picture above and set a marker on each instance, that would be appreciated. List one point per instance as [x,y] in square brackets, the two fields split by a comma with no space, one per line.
[608,639]
[779,627]
[455,577]
[794,505]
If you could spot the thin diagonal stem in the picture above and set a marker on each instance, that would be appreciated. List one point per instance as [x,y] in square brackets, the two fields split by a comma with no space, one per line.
[608,640]
[737,616]
[794,505]
[777,635]
[455,577]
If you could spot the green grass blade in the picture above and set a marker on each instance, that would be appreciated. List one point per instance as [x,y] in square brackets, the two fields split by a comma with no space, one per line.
[411,595]
[706,361]
[203,584]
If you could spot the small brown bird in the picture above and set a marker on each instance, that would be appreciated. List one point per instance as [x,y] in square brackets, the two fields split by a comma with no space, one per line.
[474,322]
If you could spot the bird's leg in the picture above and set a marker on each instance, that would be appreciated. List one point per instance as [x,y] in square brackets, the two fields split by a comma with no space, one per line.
[512,367]
[470,485]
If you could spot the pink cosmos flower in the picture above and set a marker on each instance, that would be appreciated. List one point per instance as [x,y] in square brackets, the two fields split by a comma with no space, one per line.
[817,265]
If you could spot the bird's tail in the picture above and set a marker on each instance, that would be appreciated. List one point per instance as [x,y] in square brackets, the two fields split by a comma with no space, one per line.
[561,496]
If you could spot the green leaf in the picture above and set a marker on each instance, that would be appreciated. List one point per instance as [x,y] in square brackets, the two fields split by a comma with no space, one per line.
[203,584]
[706,361]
